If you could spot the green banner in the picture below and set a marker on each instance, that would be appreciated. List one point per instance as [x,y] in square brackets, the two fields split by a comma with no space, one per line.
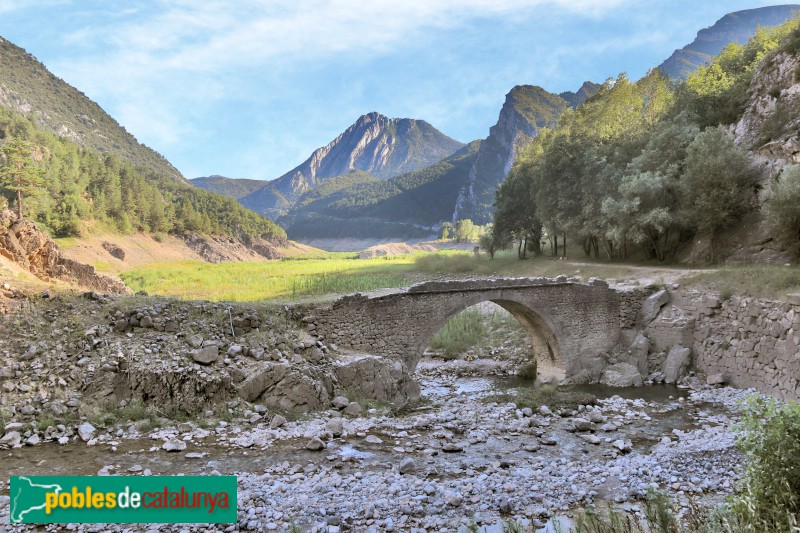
[122,499]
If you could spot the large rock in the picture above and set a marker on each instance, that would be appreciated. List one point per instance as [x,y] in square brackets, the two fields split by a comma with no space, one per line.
[621,375]
[206,355]
[653,305]
[86,431]
[677,364]
[376,378]
[10,439]
[291,389]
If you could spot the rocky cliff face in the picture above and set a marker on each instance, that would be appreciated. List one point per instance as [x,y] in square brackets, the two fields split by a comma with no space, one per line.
[27,246]
[770,125]
[381,146]
[735,27]
[526,110]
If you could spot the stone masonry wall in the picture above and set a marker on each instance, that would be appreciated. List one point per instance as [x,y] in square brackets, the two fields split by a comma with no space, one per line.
[751,342]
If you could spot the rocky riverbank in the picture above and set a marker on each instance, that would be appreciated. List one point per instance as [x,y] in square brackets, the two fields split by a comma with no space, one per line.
[464,455]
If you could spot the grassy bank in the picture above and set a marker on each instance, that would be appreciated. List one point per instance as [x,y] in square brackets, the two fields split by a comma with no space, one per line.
[760,281]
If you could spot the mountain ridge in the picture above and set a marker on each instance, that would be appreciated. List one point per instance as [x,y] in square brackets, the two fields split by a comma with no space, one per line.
[736,27]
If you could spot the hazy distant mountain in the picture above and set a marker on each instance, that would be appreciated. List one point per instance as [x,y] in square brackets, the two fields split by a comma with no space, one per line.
[359,205]
[735,27]
[526,110]
[230,187]
[382,146]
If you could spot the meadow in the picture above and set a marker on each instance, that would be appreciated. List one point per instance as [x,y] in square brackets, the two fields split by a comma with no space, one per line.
[285,280]
[320,274]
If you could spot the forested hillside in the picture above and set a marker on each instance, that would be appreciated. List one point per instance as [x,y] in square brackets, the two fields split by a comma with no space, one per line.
[71,163]
[230,187]
[27,87]
[66,185]
[735,27]
[650,167]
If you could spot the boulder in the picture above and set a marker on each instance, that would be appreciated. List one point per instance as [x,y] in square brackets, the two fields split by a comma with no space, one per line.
[407,466]
[206,355]
[340,402]
[376,378]
[354,409]
[174,445]
[715,379]
[315,444]
[280,386]
[677,364]
[10,439]
[653,305]
[335,427]
[277,421]
[621,375]
[86,431]
[195,341]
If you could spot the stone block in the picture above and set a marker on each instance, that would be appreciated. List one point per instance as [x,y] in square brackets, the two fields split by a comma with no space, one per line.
[653,304]
[677,364]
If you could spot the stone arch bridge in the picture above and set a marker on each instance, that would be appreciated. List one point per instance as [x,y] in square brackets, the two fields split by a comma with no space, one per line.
[571,324]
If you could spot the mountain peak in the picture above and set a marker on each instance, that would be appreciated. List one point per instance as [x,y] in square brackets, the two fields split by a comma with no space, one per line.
[374,143]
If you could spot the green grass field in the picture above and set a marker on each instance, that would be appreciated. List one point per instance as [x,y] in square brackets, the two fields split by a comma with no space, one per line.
[289,279]
[314,275]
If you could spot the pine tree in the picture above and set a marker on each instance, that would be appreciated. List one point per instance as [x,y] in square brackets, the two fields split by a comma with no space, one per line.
[19,172]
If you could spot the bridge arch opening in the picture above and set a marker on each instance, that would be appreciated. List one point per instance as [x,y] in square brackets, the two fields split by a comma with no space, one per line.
[516,322]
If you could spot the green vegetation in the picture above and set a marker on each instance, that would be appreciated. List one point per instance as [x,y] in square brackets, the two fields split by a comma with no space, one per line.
[60,108]
[463,331]
[232,188]
[641,168]
[550,395]
[310,275]
[18,171]
[74,184]
[759,281]
[782,208]
[73,163]
[276,280]
[770,440]
[475,329]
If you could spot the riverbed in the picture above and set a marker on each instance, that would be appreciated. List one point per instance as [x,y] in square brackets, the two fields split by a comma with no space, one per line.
[461,456]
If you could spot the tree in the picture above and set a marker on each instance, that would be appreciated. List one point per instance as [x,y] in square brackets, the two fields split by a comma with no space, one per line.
[447,231]
[717,181]
[486,243]
[464,230]
[18,171]
[782,208]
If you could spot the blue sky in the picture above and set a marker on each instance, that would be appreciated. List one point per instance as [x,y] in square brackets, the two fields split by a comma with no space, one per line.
[248,88]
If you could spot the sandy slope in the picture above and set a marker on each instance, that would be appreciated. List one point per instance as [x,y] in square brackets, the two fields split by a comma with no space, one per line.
[141,249]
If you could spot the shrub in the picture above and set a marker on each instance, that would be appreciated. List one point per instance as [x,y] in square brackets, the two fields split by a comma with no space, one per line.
[770,440]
